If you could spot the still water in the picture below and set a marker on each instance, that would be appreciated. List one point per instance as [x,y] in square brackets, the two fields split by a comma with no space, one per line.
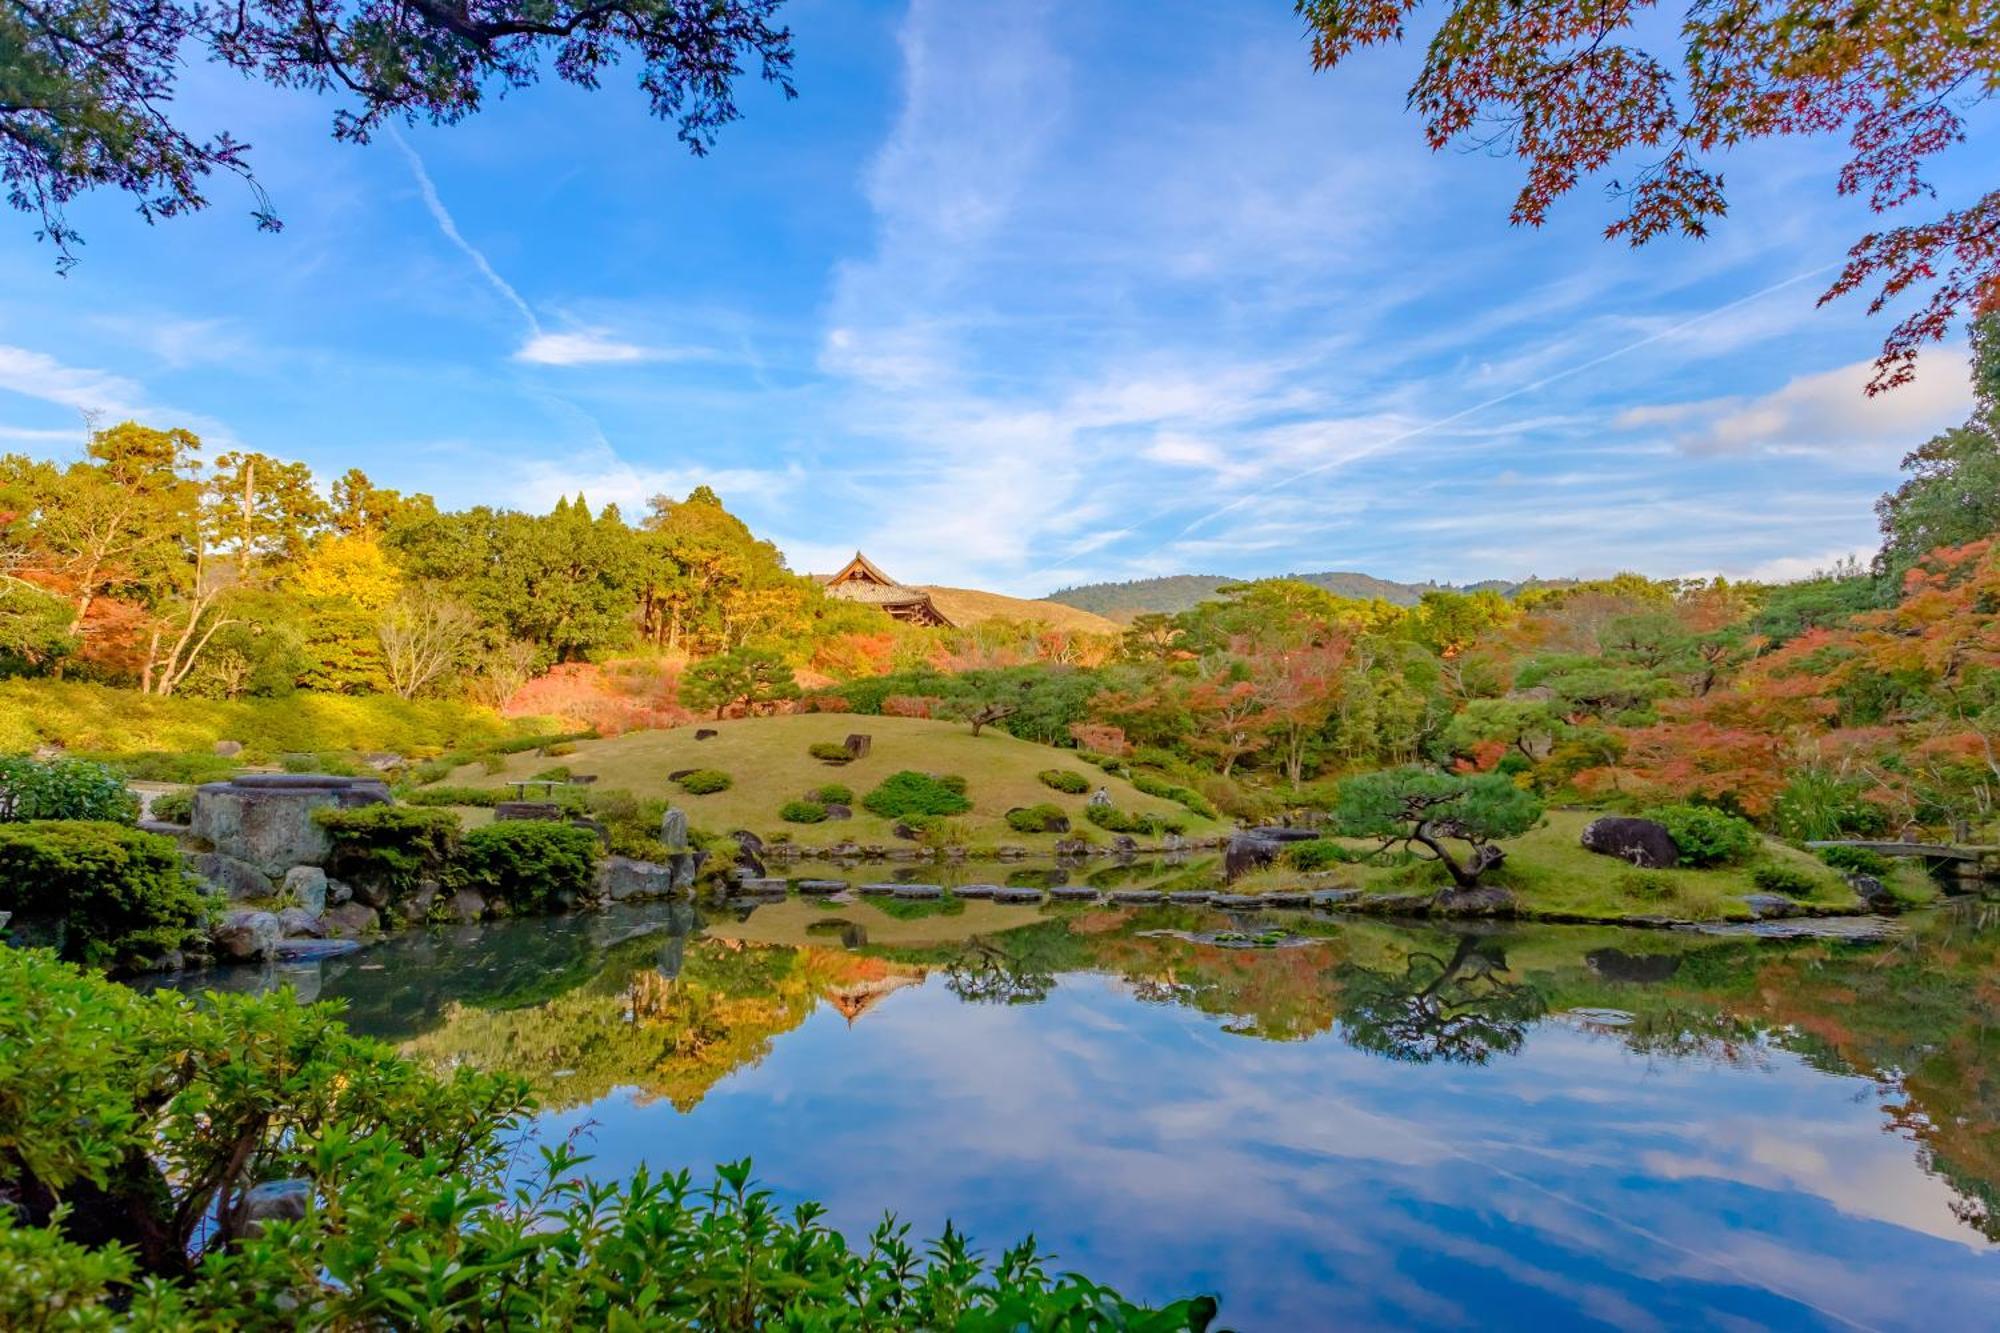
[1357,1125]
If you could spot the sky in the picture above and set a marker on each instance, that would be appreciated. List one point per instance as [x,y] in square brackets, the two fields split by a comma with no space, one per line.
[1015,295]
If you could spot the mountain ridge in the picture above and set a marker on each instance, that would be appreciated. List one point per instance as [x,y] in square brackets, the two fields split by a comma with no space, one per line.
[1170,593]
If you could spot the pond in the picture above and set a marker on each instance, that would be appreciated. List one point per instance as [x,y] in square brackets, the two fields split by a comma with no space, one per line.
[1330,1123]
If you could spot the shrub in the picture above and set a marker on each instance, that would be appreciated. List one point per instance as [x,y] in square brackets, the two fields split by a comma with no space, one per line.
[1817,805]
[122,897]
[802,812]
[1856,861]
[1193,801]
[834,793]
[830,752]
[1774,877]
[1044,818]
[1320,854]
[483,797]
[559,773]
[173,807]
[63,789]
[1649,885]
[1064,780]
[1113,820]
[528,865]
[192,767]
[908,793]
[706,782]
[155,1108]
[393,848]
[1706,836]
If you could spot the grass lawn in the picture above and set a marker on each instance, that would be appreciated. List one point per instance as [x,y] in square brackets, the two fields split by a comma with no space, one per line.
[1550,872]
[766,756]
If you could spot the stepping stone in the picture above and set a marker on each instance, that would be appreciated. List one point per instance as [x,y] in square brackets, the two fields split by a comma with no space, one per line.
[1288,898]
[1235,900]
[975,890]
[1334,897]
[919,891]
[1138,896]
[1007,893]
[819,888]
[1192,896]
[761,888]
[877,890]
[1074,893]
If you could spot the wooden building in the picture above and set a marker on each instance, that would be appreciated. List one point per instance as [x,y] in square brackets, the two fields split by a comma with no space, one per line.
[862,580]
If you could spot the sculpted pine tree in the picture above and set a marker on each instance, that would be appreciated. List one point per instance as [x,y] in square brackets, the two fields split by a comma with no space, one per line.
[87,87]
[1570,89]
[1422,808]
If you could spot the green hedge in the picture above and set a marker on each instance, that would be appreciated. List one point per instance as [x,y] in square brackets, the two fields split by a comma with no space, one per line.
[1193,801]
[1320,854]
[909,793]
[1114,820]
[122,896]
[1772,877]
[1856,861]
[63,789]
[1043,818]
[528,865]
[1064,780]
[1708,837]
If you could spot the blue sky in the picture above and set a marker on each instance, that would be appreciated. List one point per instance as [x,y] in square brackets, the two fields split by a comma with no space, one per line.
[1014,295]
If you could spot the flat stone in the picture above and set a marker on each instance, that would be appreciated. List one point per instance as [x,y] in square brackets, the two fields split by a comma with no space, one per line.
[876,890]
[975,890]
[820,888]
[305,886]
[1192,896]
[1234,900]
[1287,898]
[1074,893]
[350,920]
[762,888]
[1334,897]
[919,891]
[1133,896]
[1766,905]
[304,950]
[1007,893]
[245,934]
[1854,929]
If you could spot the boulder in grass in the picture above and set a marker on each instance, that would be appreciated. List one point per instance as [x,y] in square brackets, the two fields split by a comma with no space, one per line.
[1645,843]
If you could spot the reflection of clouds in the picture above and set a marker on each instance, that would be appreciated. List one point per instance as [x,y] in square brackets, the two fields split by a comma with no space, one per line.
[1313,1185]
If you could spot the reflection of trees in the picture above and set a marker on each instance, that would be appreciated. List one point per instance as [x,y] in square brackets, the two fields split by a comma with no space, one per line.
[1001,970]
[1462,1008]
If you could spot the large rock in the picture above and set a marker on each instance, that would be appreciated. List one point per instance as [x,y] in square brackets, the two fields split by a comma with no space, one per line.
[674,829]
[266,819]
[622,877]
[351,921]
[305,886]
[298,923]
[465,906]
[236,880]
[274,1201]
[246,935]
[1642,842]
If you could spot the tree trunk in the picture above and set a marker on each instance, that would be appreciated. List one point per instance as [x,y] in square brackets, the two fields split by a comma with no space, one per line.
[130,1210]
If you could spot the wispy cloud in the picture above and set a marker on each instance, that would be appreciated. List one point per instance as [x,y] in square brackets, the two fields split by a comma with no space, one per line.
[38,375]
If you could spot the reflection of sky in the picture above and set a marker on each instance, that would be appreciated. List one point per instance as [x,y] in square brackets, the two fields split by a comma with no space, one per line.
[1313,1186]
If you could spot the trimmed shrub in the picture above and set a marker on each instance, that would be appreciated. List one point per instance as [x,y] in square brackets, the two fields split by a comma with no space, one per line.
[802,812]
[830,752]
[1708,837]
[393,848]
[1773,877]
[1320,854]
[706,782]
[1113,820]
[1856,861]
[63,789]
[173,807]
[528,865]
[907,793]
[1043,818]
[559,773]
[483,797]
[1192,801]
[834,793]
[122,896]
[1064,780]
[1650,885]
[192,766]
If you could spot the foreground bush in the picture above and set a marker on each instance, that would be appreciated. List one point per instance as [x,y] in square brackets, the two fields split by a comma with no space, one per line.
[122,897]
[907,793]
[1042,818]
[150,1117]
[63,789]
[1708,837]
[390,848]
[528,865]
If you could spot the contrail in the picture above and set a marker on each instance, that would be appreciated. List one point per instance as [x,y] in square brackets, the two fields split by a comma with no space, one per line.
[442,216]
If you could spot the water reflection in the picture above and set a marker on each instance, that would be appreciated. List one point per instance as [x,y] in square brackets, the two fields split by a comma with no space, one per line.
[1384,1127]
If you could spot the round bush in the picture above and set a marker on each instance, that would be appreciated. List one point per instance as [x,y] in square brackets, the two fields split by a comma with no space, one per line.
[907,793]
[63,789]
[706,782]
[1773,877]
[173,807]
[1708,837]
[802,812]
[1043,818]
[1319,854]
[833,793]
[122,897]
[528,865]
[1856,861]
[830,752]
[1064,780]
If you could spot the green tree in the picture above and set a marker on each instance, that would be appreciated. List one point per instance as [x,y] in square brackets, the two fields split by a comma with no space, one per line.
[748,676]
[1423,808]
[1953,494]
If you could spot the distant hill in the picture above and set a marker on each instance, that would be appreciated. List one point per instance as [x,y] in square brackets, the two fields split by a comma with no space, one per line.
[1179,592]
[969,606]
